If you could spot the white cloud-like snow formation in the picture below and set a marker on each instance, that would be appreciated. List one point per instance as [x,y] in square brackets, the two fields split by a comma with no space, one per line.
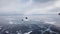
[28,7]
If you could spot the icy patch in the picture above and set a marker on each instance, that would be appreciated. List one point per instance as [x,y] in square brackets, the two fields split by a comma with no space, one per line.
[28,32]
[49,22]
[7,31]
[10,22]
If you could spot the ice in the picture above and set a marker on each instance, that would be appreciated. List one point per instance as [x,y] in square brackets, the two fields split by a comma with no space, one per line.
[28,32]
[7,31]
[10,22]
[50,22]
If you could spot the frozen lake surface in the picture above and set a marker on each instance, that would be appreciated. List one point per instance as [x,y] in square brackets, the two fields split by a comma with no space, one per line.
[43,24]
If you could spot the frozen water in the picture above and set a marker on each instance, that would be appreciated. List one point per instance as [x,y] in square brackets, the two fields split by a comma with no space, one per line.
[43,24]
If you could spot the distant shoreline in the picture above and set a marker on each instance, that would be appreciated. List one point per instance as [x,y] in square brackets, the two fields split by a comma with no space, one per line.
[23,15]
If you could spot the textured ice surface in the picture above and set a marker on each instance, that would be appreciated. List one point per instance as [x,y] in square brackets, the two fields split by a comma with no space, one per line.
[34,25]
[29,29]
